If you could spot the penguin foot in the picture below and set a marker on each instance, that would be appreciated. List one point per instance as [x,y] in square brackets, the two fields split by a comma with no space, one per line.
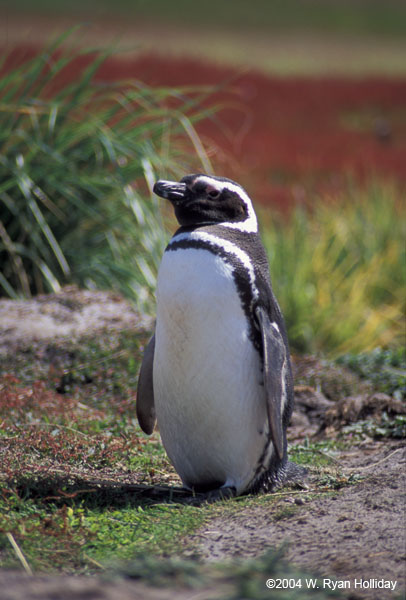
[212,496]
[273,479]
[295,474]
[220,494]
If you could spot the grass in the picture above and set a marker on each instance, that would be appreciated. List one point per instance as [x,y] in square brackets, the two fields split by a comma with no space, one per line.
[80,537]
[228,580]
[76,470]
[80,482]
[338,271]
[76,205]
[316,454]
[77,166]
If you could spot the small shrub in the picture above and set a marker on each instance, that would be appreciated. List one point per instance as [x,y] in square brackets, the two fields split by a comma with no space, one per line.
[385,368]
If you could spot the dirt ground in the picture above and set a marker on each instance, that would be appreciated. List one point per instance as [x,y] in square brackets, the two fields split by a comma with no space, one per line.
[71,314]
[357,533]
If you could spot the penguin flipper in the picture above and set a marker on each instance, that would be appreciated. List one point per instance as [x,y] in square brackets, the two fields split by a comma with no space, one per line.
[274,358]
[145,406]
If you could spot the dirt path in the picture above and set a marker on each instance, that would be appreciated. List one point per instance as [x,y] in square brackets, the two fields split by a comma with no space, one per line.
[356,534]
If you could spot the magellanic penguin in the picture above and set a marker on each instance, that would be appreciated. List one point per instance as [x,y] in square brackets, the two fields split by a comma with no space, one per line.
[216,375]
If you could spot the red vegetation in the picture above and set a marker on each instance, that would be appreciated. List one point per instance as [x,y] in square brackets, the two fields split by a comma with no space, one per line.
[285,137]
[42,428]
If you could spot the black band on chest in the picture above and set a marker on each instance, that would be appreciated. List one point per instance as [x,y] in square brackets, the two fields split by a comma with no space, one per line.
[241,277]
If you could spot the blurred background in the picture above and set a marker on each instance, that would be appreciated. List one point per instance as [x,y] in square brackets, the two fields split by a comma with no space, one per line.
[302,102]
[286,37]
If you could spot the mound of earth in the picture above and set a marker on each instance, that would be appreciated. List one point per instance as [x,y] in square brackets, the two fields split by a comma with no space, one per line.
[72,313]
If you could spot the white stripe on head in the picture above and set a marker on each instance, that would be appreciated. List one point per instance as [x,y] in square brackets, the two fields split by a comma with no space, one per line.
[229,247]
[250,224]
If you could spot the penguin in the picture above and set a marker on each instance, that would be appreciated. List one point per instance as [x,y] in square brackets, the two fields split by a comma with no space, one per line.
[216,375]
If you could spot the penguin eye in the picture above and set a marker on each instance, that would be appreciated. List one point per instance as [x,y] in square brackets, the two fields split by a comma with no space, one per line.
[213,194]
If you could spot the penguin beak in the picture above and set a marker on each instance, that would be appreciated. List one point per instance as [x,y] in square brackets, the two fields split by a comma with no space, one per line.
[171,190]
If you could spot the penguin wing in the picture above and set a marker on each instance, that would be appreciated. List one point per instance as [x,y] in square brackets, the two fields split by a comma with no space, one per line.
[145,406]
[274,359]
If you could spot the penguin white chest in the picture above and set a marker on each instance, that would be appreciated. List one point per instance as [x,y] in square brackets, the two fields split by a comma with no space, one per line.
[209,397]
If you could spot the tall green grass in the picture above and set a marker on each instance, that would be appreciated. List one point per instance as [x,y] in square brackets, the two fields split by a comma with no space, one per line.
[77,164]
[339,271]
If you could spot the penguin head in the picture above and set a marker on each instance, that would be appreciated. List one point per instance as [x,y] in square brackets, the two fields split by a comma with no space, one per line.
[203,199]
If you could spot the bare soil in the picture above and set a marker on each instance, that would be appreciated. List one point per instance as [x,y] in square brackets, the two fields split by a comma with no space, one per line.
[354,533]
[70,314]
